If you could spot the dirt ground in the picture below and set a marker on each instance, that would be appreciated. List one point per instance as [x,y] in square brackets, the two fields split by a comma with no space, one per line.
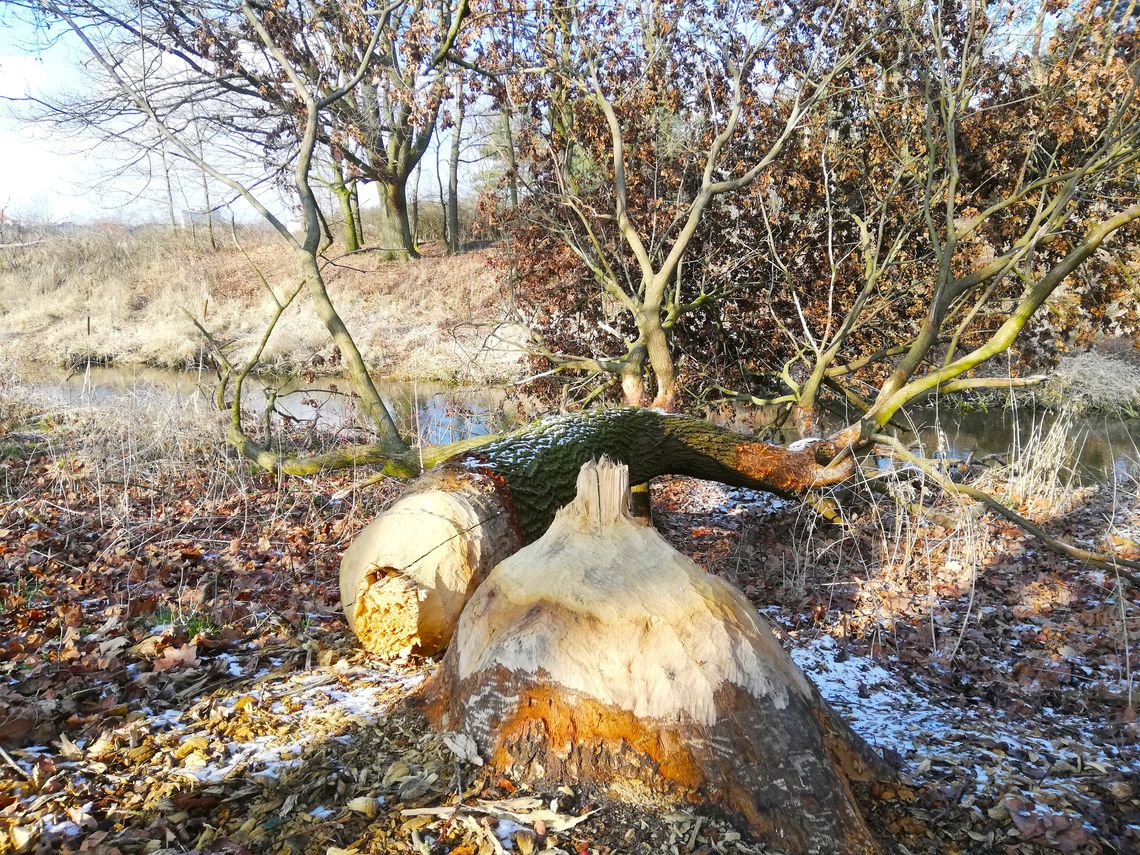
[177,675]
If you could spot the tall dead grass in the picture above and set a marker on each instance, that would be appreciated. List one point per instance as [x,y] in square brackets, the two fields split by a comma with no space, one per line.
[1040,475]
[112,296]
[1100,380]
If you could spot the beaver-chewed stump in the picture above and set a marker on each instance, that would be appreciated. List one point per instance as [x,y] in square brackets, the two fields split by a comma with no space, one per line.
[599,655]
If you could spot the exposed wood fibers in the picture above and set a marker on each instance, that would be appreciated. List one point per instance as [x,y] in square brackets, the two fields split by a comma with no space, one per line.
[791,471]
[598,655]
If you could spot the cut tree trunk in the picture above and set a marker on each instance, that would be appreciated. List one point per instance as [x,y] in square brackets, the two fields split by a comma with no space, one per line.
[403,582]
[406,577]
[600,656]
[429,551]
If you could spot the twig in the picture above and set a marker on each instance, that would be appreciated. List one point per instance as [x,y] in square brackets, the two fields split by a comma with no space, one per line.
[14,764]
[1109,561]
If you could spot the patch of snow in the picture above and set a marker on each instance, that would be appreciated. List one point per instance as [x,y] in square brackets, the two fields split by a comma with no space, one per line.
[889,714]
[879,708]
[506,829]
[294,699]
[166,718]
[257,757]
[66,828]
[233,665]
[360,701]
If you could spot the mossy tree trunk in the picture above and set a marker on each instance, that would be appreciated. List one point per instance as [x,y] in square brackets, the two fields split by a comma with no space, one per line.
[395,238]
[344,195]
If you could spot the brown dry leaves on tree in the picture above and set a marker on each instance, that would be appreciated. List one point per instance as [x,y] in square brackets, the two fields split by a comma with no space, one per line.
[860,196]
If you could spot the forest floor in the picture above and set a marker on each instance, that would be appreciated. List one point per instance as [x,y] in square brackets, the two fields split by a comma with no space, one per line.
[177,676]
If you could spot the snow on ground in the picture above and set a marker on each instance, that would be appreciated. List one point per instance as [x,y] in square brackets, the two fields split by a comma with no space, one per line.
[300,707]
[304,708]
[927,732]
[881,709]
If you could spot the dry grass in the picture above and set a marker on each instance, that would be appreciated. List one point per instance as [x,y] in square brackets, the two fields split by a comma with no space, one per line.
[110,296]
[1040,476]
[1098,380]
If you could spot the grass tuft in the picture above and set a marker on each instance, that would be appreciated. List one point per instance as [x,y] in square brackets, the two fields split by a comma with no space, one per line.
[1096,381]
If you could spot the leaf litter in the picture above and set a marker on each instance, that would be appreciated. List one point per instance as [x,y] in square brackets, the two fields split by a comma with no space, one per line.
[997,676]
[177,676]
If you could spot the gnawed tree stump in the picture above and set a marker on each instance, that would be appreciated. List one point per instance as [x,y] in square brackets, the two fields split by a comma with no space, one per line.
[405,579]
[600,655]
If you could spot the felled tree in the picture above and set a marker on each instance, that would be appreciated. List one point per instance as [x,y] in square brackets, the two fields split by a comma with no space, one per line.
[601,655]
[405,579]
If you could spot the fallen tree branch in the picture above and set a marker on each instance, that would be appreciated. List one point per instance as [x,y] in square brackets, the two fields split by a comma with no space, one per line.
[1105,561]
[367,454]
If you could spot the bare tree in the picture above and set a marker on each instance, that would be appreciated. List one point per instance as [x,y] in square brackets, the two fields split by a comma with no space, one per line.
[236,61]
[392,115]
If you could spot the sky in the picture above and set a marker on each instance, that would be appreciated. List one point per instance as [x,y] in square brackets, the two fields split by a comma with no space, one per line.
[49,176]
[41,175]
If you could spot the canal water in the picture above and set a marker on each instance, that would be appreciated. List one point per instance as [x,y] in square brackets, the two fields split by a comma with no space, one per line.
[1100,444]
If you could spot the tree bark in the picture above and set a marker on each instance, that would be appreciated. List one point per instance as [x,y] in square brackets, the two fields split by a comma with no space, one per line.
[356,218]
[416,205]
[495,498]
[600,656]
[348,220]
[370,401]
[395,239]
[453,241]
[347,214]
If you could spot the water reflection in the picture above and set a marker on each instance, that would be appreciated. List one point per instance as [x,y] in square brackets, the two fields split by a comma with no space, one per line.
[1099,444]
[439,414]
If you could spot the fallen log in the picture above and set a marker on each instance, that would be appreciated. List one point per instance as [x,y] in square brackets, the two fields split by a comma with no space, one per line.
[406,577]
[600,656]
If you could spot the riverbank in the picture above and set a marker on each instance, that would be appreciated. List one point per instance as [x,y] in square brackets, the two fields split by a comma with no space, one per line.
[109,297]
[112,297]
